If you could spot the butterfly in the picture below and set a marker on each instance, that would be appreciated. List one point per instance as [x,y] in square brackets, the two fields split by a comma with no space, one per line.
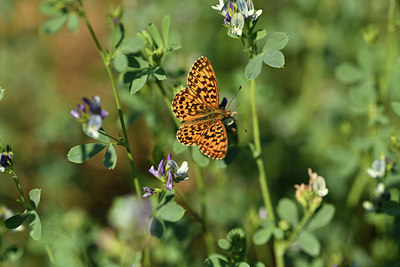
[197,107]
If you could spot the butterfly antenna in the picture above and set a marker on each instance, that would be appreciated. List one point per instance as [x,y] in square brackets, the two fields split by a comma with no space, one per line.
[233,120]
[230,102]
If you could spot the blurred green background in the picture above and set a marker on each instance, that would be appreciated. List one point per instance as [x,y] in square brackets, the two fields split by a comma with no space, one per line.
[321,111]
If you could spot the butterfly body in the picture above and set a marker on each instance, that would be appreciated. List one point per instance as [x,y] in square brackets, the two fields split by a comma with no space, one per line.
[197,107]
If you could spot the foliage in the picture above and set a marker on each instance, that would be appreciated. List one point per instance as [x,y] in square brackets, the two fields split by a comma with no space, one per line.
[326,98]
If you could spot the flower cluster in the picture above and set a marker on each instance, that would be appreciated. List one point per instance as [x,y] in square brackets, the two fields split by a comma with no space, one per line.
[378,170]
[92,118]
[310,196]
[236,13]
[168,172]
[6,159]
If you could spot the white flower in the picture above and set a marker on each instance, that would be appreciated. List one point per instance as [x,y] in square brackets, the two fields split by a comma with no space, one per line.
[378,168]
[180,173]
[368,206]
[318,184]
[2,169]
[219,6]
[94,125]
[237,24]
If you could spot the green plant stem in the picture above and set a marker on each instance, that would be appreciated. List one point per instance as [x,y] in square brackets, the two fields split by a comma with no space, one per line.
[24,200]
[208,239]
[384,81]
[359,183]
[188,206]
[280,246]
[107,63]
[258,151]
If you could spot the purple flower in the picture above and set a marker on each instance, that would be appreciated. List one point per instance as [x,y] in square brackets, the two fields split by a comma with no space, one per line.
[149,191]
[93,118]
[169,183]
[6,158]
[160,171]
[236,12]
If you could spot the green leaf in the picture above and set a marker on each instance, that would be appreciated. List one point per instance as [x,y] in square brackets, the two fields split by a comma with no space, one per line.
[171,212]
[253,68]
[362,96]
[49,9]
[287,210]
[173,47]
[82,153]
[165,28]
[276,41]
[110,158]
[118,35]
[156,227]
[34,196]
[138,83]
[224,244]
[73,22]
[16,220]
[177,147]
[12,254]
[262,236]
[35,226]
[322,217]
[53,25]
[395,107]
[348,73]
[309,243]
[199,158]
[133,45]
[278,233]
[260,34]
[1,93]
[155,34]
[120,62]
[274,58]
[391,207]
[216,260]
[159,73]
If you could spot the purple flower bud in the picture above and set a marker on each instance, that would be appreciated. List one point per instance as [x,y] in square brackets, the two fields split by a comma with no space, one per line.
[160,172]
[169,183]
[149,191]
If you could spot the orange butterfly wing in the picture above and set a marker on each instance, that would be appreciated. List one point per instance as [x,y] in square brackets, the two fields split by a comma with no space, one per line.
[197,106]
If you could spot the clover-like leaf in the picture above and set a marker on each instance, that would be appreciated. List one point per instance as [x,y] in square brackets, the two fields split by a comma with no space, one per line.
[156,227]
[322,217]
[274,58]
[35,226]
[81,153]
[309,243]
[253,68]
[165,28]
[110,157]
[34,196]
[262,236]
[53,25]
[276,41]
[171,212]
[73,22]
[139,81]
[155,34]
[16,220]
[159,73]
[287,210]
